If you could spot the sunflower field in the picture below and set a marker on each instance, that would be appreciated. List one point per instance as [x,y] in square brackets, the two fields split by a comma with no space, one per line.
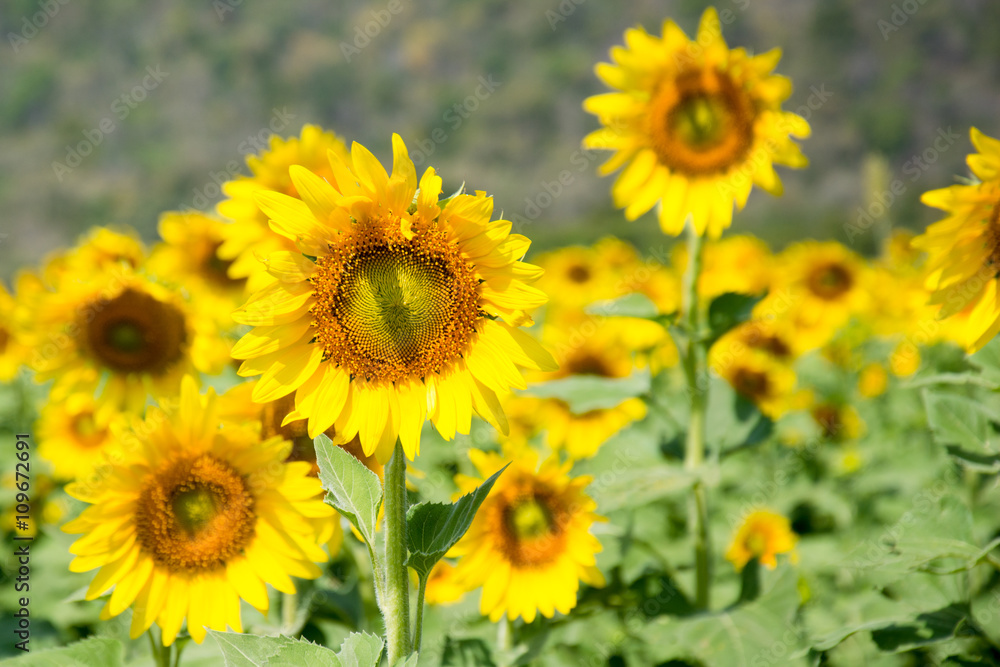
[342,412]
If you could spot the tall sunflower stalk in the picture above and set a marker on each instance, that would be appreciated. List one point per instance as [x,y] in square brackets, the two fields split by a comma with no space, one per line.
[696,375]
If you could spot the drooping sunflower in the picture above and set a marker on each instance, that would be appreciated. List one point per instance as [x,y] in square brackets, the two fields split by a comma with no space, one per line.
[963,263]
[188,258]
[75,436]
[764,535]
[391,310]
[695,125]
[194,519]
[529,546]
[114,330]
[249,238]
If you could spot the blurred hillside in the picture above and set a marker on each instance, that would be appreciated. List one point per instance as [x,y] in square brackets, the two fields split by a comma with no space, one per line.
[170,96]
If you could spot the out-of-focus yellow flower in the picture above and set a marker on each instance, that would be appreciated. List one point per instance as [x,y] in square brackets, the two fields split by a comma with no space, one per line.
[75,436]
[760,378]
[904,360]
[442,586]
[740,264]
[873,380]
[963,263]
[249,239]
[763,535]
[837,421]
[694,124]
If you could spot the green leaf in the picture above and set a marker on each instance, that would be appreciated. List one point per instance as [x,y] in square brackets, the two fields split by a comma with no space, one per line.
[957,420]
[743,636]
[433,528]
[584,393]
[635,304]
[635,487]
[985,463]
[254,651]
[750,581]
[413,660]
[361,649]
[896,635]
[466,652]
[352,489]
[987,360]
[728,310]
[87,653]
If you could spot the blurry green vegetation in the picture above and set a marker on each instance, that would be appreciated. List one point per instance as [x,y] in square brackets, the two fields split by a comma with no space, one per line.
[231,63]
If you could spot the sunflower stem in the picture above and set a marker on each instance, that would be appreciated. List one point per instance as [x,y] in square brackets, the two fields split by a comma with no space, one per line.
[421,590]
[396,600]
[696,373]
[289,604]
[161,653]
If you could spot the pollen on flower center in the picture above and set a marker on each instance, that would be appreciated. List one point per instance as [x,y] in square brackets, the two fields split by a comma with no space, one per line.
[195,514]
[389,308]
[702,123]
[135,332]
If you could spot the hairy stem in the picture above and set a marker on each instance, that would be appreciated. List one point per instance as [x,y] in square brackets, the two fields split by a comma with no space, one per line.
[396,594]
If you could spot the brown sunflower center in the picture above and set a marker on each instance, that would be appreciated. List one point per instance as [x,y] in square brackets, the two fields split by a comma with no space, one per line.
[390,308]
[195,514]
[578,273]
[532,531]
[768,342]
[590,364]
[830,281]
[828,418]
[751,383]
[88,433]
[992,239]
[135,332]
[702,123]
[4,339]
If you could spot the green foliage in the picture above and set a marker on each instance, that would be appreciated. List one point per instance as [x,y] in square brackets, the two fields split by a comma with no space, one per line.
[434,528]
[728,310]
[94,652]
[583,393]
[358,650]
[352,489]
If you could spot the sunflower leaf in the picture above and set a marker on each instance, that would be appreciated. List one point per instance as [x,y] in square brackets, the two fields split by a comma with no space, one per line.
[433,528]
[361,649]
[727,311]
[351,488]
[252,651]
[92,651]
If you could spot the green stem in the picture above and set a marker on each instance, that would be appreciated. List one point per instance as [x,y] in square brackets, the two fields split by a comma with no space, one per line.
[696,373]
[289,602]
[161,653]
[421,590]
[396,598]
[504,640]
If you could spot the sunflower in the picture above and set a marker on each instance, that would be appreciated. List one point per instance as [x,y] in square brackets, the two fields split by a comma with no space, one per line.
[695,124]
[188,258]
[963,263]
[75,436]
[759,377]
[194,519]
[873,380]
[529,546]
[249,239]
[818,287]
[580,435]
[774,337]
[837,421]
[763,535]
[113,330]
[13,350]
[392,309]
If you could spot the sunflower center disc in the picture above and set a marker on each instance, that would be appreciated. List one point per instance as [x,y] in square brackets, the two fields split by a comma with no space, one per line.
[529,519]
[195,514]
[750,383]
[86,430]
[756,544]
[830,281]
[389,310]
[4,339]
[702,123]
[135,332]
